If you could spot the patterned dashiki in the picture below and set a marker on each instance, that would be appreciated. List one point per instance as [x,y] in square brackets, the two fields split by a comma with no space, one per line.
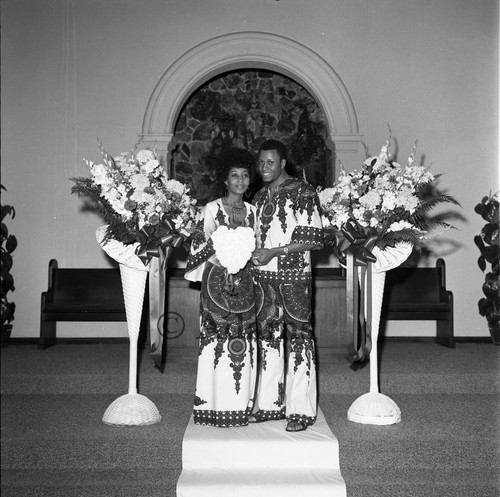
[291,215]
[227,355]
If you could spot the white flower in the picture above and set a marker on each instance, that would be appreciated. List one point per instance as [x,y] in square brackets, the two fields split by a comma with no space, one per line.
[175,186]
[150,166]
[345,181]
[144,156]
[143,198]
[419,174]
[160,198]
[100,174]
[358,214]
[139,182]
[342,217]
[117,201]
[389,201]
[384,152]
[400,225]
[326,196]
[233,247]
[121,160]
[370,200]
[407,200]
[122,189]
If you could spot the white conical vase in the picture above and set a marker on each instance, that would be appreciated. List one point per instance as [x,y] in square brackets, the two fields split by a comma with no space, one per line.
[131,409]
[374,407]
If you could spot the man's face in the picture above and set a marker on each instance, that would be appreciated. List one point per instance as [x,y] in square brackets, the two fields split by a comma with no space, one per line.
[270,165]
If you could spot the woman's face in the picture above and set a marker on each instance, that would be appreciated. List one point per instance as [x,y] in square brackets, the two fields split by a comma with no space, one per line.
[238,180]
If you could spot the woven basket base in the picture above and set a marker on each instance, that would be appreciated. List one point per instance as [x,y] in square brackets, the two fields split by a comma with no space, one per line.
[374,409]
[131,409]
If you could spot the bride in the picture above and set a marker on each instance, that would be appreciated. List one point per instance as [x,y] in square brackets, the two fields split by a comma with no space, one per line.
[226,377]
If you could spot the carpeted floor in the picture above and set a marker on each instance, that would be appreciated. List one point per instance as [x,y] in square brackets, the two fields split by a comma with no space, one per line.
[54,443]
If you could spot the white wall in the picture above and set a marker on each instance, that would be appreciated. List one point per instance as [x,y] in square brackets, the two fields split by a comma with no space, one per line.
[72,71]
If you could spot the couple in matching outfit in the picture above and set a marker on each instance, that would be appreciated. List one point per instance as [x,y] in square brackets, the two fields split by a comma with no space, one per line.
[257,358]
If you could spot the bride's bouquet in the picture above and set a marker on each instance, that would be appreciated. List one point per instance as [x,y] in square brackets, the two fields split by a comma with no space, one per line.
[139,204]
[233,247]
[380,205]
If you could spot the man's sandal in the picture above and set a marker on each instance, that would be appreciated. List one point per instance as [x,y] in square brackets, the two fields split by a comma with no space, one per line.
[296,426]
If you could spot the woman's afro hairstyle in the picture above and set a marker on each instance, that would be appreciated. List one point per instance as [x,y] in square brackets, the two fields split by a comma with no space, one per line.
[235,157]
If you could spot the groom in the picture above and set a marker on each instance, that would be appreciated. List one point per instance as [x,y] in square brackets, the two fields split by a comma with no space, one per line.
[288,227]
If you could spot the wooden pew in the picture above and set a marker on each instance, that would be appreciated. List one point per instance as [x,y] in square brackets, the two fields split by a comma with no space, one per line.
[420,294]
[80,295]
[96,295]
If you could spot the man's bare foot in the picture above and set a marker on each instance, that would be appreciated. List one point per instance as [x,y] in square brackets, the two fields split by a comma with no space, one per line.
[296,426]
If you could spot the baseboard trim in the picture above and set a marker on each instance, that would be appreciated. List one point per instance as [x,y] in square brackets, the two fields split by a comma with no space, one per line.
[183,350]
[33,340]
[430,339]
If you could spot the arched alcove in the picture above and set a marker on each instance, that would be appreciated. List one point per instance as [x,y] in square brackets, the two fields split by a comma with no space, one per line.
[259,51]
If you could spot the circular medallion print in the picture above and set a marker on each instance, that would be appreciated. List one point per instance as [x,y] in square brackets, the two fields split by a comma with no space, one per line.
[237,346]
[269,209]
[242,300]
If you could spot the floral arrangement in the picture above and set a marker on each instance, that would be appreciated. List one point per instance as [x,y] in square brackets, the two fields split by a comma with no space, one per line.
[233,246]
[138,202]
[383,203]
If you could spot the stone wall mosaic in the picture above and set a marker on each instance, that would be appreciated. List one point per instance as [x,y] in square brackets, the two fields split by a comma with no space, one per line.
[244,109]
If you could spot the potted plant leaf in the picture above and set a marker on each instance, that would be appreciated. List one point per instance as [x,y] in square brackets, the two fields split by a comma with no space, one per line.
[489,245]
[9,244]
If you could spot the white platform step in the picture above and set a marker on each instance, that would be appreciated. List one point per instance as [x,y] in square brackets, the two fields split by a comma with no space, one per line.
[261,459]
[262,482]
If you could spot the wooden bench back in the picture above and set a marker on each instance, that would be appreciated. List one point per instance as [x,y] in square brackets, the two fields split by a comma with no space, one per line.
[95,288]
[415,285]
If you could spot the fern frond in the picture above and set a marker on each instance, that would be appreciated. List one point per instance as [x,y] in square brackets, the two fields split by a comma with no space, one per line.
[85,187]
[427,204]
[94,202]
[448,215]
[406,235]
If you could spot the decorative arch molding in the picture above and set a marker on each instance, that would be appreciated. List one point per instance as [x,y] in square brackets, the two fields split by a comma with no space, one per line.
[251,50]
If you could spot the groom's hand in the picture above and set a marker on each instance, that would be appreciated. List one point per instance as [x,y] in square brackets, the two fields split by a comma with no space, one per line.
[263,256]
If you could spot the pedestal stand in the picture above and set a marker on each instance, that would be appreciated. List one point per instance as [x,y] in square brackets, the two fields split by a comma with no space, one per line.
[374,407]
[132,408]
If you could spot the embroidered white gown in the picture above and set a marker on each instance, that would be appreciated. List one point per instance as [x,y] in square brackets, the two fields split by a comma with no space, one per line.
[227,359]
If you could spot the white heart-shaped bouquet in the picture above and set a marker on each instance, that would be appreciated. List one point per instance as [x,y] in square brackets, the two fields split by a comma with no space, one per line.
[233,247]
